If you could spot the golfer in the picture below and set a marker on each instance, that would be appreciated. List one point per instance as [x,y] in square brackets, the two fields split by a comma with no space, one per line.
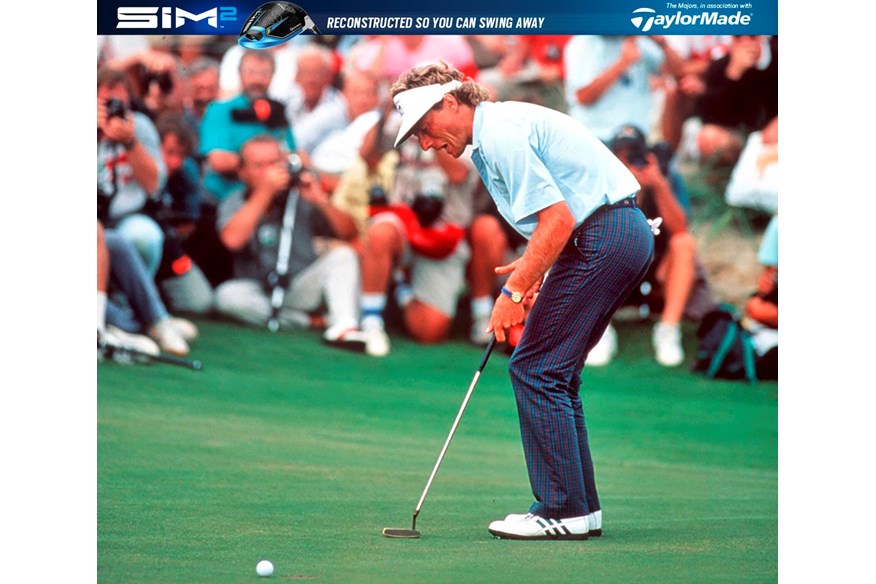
[557,185]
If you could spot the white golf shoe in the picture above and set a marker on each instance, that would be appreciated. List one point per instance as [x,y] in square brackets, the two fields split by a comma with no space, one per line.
[376,340]
[535,527]
[594,522]
[667,344]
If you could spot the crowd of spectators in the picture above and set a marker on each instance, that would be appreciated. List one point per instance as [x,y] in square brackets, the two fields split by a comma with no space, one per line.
[262,185]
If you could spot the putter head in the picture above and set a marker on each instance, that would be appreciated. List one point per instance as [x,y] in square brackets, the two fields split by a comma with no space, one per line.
[400,533]
[274,23]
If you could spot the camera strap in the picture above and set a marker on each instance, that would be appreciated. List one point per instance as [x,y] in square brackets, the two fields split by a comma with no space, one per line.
[284,254]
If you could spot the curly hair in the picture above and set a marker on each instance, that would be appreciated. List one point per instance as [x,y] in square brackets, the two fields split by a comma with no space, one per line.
[470,93]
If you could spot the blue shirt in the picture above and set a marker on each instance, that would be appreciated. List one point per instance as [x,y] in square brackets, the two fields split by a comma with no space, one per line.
[768,254]
[531,157]
[219,131]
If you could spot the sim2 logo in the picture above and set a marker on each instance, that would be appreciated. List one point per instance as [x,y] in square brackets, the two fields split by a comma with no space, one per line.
[151,17]
[645,19]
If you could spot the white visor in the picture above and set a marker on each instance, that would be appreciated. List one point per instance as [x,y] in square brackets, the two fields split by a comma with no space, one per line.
[413,104]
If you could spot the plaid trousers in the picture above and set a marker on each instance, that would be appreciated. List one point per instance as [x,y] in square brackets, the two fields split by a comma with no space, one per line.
[603,261]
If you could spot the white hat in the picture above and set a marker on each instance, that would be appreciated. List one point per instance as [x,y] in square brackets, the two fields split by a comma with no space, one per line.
[413,104]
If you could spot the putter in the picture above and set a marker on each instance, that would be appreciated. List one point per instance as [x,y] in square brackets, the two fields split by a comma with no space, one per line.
[412,533]
[129,355]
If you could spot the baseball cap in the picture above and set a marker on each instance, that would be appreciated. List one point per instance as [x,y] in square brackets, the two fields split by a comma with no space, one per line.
[413,104]
[628,137]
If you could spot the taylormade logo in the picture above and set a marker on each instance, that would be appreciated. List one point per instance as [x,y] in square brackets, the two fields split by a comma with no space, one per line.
[647,18]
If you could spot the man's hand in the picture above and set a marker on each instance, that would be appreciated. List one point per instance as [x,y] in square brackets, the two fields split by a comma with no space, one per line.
[505,315]
[505,312]
[744,55]
[692,85]
[650,175]
[273,181]
[115,128]
[533,290]
[630,51]
[311,190]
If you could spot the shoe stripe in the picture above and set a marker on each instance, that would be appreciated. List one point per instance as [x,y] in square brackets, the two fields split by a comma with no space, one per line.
[546,526]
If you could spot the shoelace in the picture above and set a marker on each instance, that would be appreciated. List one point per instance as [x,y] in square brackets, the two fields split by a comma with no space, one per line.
[654,224]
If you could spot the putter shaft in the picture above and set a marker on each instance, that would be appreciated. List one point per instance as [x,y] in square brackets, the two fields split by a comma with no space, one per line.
[474,382]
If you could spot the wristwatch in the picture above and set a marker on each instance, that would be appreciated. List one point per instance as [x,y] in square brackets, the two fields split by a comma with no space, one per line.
[516,297]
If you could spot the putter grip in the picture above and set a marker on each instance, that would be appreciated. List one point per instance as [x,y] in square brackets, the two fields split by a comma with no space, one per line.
[487,352]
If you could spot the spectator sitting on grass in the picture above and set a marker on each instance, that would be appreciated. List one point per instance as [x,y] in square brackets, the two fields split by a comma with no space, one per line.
[675,274]
[251,224]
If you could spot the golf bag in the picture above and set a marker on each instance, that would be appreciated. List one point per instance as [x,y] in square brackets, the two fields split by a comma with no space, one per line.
[724,347]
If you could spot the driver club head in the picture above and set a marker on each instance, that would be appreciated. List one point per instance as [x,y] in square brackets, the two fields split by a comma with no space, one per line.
[399,533]
[274,23]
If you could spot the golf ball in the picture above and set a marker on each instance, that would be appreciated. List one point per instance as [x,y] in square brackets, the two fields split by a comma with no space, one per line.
[264,568]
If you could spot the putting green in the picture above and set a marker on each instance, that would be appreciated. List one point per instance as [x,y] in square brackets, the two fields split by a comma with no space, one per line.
[285,450]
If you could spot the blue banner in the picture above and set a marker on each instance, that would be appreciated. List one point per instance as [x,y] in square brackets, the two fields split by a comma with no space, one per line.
[400,17]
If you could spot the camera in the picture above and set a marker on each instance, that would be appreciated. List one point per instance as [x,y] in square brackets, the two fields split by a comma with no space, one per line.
[295,166]
[104,199]
[162,78]
[377,196]
[115,108]
[265,111]
[632,142]
[427,207]
[428,202]
[637,155]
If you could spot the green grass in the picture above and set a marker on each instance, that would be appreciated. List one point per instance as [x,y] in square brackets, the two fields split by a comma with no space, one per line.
[283,449]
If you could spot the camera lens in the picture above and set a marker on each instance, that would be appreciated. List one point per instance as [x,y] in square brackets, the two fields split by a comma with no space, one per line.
[115,108]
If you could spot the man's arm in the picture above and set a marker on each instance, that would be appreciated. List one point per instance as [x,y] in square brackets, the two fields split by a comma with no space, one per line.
[242,225]
[594,90]
[672,61]
[668,207]
[144,165]
[341,223]
[555,225]
[223,162]
[239,229]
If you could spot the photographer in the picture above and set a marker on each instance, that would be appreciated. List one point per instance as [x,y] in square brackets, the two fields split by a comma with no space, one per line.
[129,167]
[251,225]
[177,211]
[677,280]
[417,231]
[227,124]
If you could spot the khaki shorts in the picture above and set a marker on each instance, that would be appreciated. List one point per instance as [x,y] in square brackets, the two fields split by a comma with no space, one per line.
[437,283]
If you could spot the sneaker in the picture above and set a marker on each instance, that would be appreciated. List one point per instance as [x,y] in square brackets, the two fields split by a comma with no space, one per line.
[594,522]
[605,349]
[185,328]
[123,347]
[169,338]
[376,342]
[667,344]
[478,335]
[342,337]
[535,527]
[116,337]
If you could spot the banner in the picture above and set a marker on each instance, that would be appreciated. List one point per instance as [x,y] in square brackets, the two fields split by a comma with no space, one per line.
[398,17]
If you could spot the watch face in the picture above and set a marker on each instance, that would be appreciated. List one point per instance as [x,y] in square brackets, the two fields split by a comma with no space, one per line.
[517,297]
